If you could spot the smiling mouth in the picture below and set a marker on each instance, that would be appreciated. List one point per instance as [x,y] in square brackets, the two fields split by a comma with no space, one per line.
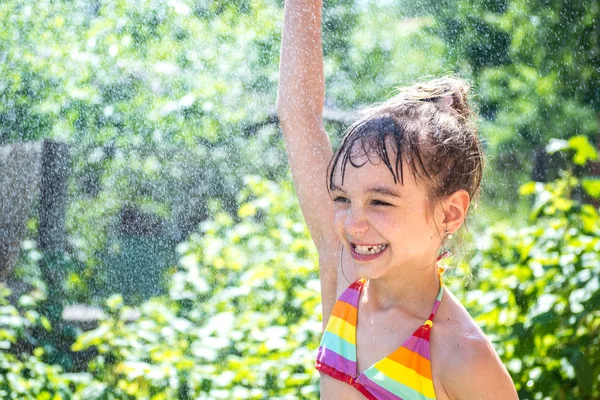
[368,249]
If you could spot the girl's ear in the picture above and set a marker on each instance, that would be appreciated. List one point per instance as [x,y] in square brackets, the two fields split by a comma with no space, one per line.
[455,210]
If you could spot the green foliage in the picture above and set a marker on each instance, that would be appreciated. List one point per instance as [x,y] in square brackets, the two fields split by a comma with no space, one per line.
[153,98]
[156,100]
[22,374]
[386,47]
[538,291]
[242,318]
[579,145]
[534,65]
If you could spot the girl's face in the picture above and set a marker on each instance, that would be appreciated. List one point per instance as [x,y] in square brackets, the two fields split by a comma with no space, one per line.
[384,225]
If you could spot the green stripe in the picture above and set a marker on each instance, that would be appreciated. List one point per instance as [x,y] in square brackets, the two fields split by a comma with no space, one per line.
[333,342]
[441,292]
[395,387]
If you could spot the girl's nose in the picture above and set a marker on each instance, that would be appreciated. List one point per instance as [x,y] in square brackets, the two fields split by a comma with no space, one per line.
[355,222]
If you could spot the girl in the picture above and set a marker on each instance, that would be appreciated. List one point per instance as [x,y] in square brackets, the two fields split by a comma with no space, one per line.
[398,188]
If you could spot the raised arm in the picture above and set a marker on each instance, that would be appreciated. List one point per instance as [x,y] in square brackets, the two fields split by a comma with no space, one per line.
[300,110]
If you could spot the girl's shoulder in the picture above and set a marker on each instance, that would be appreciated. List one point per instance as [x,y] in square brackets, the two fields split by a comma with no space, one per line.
[455,333]
[463,357]
[454,319]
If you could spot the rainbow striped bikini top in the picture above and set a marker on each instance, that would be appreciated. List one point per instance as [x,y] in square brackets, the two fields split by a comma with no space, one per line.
[405,374]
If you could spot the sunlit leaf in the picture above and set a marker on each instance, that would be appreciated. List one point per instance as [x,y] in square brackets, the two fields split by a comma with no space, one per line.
[584,151]
[591,186]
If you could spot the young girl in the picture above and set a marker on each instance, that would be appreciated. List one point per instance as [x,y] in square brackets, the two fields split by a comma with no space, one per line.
[379,211]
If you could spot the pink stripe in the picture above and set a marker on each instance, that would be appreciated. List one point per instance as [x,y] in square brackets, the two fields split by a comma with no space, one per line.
[435,306]
[418,345]
[333,359]
[376,390]
[350,296]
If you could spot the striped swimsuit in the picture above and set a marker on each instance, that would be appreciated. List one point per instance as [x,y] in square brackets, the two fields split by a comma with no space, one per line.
[405,374]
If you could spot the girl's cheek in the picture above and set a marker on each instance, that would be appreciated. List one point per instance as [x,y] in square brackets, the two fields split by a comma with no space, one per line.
[338,218]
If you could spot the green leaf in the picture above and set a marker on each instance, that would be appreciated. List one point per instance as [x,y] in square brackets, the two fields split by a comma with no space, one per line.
[46,324]
[584,151]
[591,186]
[528,188]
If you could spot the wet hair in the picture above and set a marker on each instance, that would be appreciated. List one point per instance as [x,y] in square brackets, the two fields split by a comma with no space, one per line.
[431,127]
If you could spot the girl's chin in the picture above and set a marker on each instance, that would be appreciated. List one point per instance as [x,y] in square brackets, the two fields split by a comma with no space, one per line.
[370,271]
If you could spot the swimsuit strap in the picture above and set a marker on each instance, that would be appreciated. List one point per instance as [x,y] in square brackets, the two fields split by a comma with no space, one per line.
[438,299]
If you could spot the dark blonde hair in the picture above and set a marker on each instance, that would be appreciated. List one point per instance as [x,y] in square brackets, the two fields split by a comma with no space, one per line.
[433,130]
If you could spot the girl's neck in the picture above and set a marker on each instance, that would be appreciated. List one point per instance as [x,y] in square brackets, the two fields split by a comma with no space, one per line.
[410,290]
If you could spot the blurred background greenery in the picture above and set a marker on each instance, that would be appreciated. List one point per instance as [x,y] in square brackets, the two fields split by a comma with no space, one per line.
[180,222]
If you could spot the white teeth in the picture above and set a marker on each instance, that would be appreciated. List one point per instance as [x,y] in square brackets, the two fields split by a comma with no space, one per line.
[370,249]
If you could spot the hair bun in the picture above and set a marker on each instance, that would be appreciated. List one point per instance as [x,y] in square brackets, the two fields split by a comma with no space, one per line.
[445,103]
[449,93]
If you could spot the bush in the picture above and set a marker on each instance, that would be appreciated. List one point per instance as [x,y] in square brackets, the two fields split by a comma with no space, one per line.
[242,319]
[22,374]
[538,291]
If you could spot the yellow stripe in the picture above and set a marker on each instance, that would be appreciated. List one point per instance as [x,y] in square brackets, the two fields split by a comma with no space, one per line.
[406,376]
[342,328]
[412,360]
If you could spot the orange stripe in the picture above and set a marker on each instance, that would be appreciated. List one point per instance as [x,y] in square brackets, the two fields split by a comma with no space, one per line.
[346,312]
[413,361]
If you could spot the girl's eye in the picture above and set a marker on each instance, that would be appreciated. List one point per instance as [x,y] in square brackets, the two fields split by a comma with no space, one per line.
[374,202]
[380,203]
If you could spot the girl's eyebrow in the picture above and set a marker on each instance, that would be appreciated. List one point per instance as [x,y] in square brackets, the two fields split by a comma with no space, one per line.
[384,190]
